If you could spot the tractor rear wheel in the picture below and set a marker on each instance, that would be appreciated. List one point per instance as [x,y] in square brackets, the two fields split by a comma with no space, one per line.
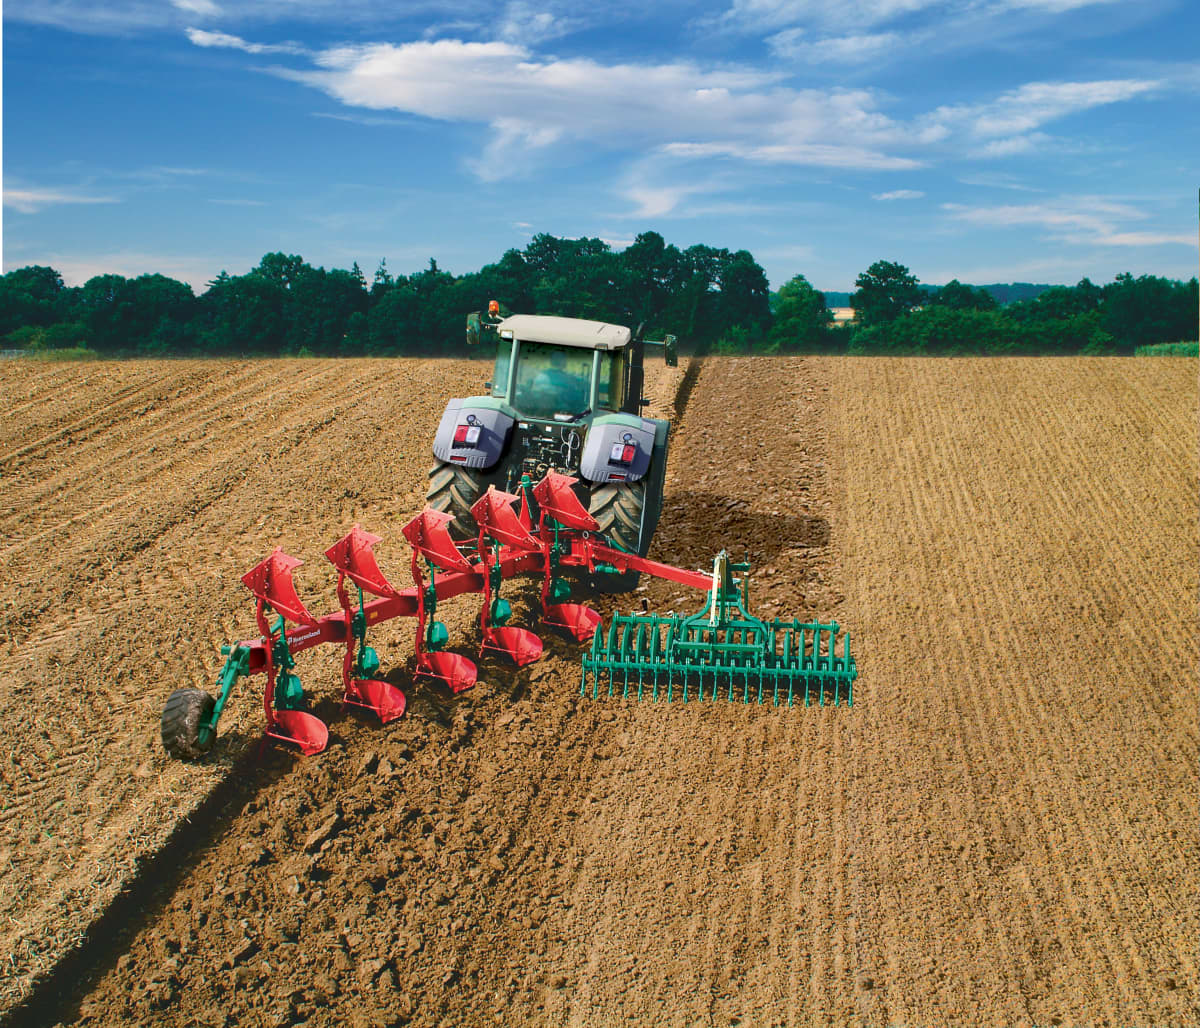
[618,511]
[181,719]
[453,489]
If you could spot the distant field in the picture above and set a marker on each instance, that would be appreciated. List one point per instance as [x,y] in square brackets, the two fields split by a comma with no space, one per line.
[1168,350]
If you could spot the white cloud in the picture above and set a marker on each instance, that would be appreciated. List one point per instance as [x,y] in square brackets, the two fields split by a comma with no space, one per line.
[655,201]
[104,17]
[1083,221]
[824,155]
[899,194]
[541,108]
[999,182]
[523,23]
[754,15]
[31,201]
[90,17]
[363,119]
[696,112]
[202,37]
[513,142]
[1053,6]
[856,49]
[1013,145]
[860,15]
[203,8]
[1149,239]
[1022,110]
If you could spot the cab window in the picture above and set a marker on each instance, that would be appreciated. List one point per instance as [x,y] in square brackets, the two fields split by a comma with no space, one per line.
[500,375]
[552,380]
[612,380]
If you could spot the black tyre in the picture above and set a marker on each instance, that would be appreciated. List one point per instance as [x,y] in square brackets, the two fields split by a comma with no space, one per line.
[618,511]
[181,718]
[453,489]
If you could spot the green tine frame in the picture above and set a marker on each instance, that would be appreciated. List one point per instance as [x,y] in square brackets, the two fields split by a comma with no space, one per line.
[721,650]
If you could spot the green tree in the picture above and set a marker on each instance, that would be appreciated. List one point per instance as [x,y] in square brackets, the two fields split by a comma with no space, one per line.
[29,296]
[941,330]
[243,314]
[800,316]
[1149,309]
[961,297]
[745,295]
[886,291]
[282,269]
[382,281]
[650,271]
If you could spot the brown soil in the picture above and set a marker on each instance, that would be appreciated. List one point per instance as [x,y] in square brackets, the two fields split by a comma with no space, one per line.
[1001,830]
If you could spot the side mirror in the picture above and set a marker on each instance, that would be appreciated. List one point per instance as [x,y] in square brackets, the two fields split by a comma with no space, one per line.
[670,353]
[473,329]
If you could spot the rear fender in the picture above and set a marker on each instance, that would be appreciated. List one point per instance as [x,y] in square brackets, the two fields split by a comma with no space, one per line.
[612,430]
[489,443]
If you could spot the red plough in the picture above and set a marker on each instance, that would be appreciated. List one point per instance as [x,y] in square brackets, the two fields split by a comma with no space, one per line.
[511,541]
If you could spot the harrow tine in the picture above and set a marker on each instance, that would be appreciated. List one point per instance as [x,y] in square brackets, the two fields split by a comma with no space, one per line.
[428,535]
[271,582]
[494,514]
[724,653]
[557,499]
[352,555]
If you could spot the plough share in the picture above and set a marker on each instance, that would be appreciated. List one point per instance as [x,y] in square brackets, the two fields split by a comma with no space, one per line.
[722,651]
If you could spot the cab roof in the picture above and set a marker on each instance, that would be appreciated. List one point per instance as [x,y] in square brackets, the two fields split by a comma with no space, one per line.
[589,335]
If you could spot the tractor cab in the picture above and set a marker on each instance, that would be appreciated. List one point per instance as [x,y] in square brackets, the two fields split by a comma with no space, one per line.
[560,369]
[566,396]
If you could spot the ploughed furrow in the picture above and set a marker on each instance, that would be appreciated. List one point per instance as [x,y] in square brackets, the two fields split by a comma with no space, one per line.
[48,403]
[149,390]
[1023,540]
[125,508]
[134,601]
[134,424]
[129,453]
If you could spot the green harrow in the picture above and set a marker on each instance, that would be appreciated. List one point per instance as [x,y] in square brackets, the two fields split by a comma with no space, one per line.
[722,651]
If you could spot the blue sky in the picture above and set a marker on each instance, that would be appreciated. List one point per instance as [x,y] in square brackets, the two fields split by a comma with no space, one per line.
[988,140]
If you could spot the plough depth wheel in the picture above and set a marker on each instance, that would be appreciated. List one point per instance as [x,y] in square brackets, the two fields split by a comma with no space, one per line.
[185,712]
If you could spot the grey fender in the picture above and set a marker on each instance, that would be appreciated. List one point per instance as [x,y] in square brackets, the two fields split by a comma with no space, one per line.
[495,427]
[608,431]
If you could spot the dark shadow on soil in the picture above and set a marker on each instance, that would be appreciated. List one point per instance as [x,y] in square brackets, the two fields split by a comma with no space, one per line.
[255,765]
[709,522]
[56,997]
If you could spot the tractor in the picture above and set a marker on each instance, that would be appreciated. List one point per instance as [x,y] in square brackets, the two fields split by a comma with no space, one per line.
[565,396]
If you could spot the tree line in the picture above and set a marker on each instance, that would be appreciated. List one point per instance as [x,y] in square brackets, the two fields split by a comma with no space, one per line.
[895,314]
[712,299]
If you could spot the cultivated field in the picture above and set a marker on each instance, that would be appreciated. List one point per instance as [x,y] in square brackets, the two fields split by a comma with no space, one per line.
[1001,830]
